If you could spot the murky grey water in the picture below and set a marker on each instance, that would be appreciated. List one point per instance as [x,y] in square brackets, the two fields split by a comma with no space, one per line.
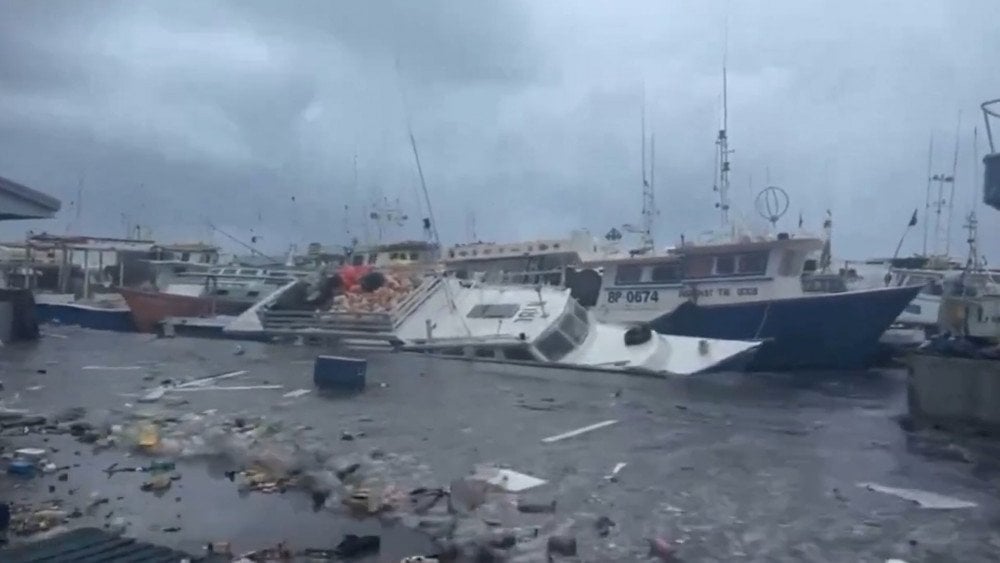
[727,466]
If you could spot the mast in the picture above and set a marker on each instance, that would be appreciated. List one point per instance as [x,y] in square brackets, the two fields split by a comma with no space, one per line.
[927,197]
[723,154]
[649,198]
[951,196]
[642,129]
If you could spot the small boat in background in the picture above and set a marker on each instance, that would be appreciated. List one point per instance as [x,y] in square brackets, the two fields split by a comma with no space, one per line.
[107,312]
[226,290]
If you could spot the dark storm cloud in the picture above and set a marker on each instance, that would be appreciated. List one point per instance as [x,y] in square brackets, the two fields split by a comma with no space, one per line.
[526,113]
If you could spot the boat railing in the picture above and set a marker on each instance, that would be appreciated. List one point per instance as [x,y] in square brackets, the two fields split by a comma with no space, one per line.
[415,299]
[346,323]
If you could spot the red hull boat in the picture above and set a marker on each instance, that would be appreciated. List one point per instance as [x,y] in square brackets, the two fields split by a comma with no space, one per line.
[149,308]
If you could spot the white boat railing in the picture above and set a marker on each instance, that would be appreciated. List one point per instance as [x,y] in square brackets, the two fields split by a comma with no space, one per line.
[347,323]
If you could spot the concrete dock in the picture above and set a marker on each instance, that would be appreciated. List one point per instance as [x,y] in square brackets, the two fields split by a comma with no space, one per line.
[956,392]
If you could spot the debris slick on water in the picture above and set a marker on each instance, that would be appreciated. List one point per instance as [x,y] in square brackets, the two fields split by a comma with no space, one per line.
[923,498]
[578,431]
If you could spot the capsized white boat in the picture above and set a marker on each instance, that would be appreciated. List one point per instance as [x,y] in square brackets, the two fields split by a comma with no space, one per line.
[542,324]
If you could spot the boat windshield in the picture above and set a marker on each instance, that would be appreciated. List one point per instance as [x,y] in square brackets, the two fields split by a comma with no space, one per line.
[571,331]
[555,346]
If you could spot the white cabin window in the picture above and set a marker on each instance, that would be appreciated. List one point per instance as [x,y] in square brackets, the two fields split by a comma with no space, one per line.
[574,328]
[493,311]
[755,263]
[791,263]
[519,353]
[698,266]
[666,273]
[725,265]
[628,274]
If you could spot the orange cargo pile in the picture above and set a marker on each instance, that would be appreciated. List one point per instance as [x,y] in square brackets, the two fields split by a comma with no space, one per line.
[384,299]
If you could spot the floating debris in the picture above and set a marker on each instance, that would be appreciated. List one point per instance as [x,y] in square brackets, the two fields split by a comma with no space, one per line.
[297,393]
[661,549]
[507,479]
[923,498]
[578,431]
[613,476]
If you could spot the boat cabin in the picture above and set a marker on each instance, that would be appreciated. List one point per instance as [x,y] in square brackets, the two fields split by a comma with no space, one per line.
[642,288]
[400,254]
[502,323]
[527,262]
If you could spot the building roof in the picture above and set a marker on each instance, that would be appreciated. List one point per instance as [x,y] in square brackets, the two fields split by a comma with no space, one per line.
[22,202]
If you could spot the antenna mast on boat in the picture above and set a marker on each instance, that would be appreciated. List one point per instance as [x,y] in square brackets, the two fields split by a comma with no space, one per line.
[649,199]
[951,196]
[648,195]
[927,196]
[723,151]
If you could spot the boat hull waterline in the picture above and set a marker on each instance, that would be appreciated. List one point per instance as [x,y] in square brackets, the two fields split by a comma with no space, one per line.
[822,331]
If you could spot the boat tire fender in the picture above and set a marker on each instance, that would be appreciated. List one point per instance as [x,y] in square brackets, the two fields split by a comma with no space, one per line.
[638,335]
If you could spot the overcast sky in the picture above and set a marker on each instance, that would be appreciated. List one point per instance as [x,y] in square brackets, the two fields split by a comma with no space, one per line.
[526,113]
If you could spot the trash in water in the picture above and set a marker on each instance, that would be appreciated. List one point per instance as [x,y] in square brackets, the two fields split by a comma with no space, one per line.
[356,546]
[21,467]
[603,526]
[296,393]
[34,454]
[923,498]
[578,431]
[157,483]
[154,467]
[153,396]
[661,549]
[229,388]
[212,378]
[507,479]
[280,552]
[613,476]
[220,548]
[562,545]
[149,436]
[27,520]
[528,507]
[238,350]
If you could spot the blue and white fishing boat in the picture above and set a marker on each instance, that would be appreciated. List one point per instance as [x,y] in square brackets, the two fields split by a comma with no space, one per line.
[748,287]
[751,290]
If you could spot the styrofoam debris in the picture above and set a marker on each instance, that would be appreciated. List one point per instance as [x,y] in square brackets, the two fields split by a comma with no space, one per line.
[578,431]
[507,479]
[923,498]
